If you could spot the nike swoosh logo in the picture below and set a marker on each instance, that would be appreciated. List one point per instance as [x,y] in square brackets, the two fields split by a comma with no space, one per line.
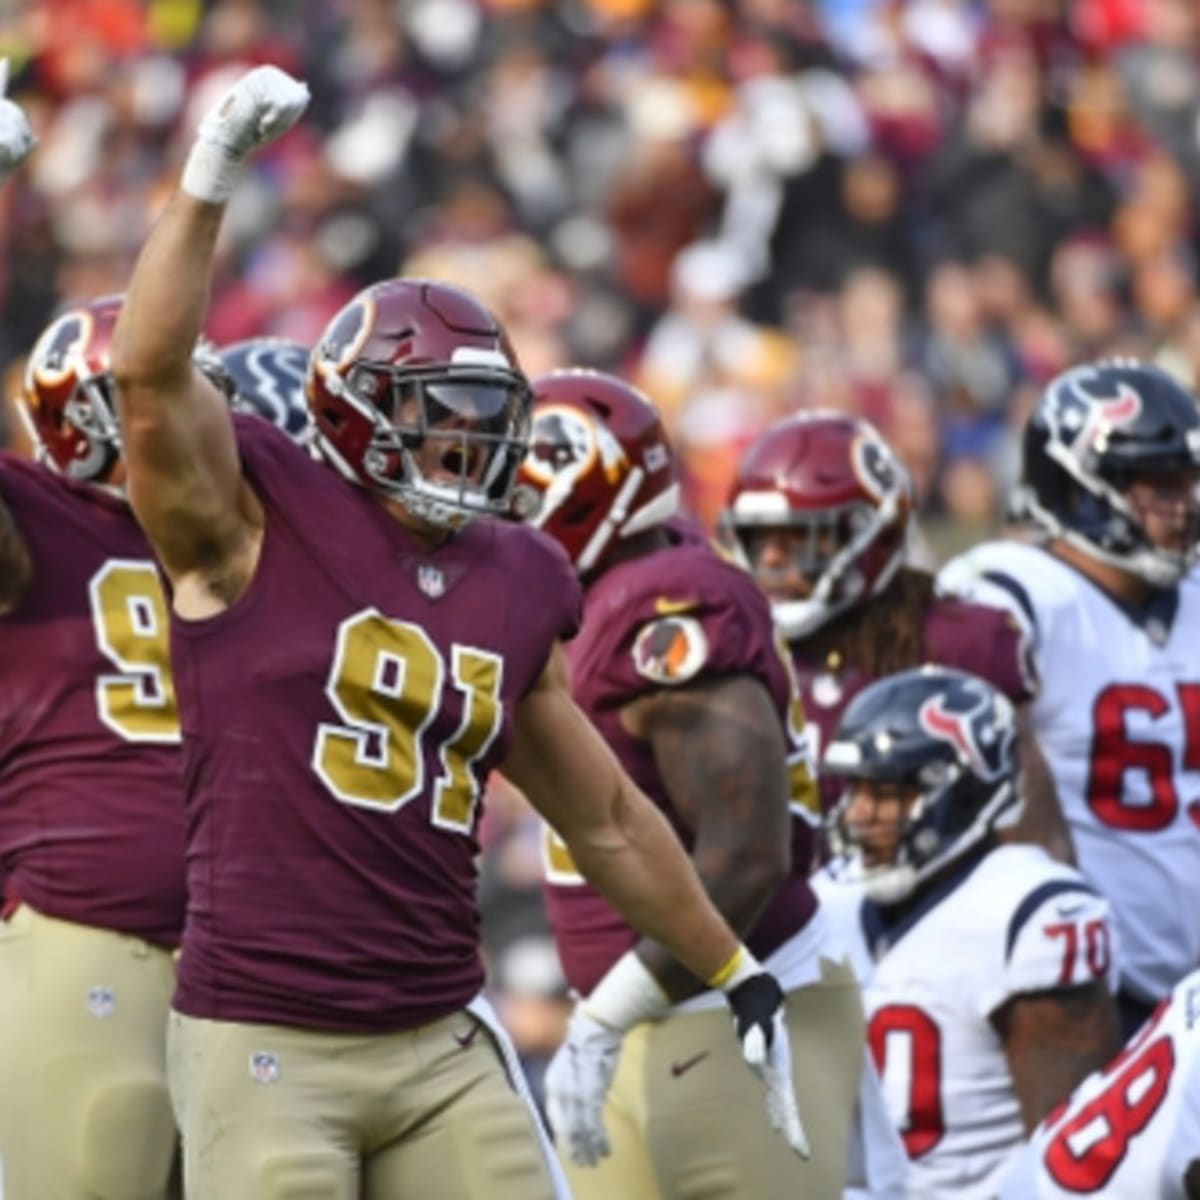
[1069,910]
[665,607]
[682,1068]
[466,1040]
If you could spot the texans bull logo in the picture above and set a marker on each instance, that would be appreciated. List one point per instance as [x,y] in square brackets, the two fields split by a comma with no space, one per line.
[966,716]
[1084,419]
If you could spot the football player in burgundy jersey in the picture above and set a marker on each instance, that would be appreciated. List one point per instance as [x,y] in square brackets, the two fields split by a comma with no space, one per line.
[820,511]
[91,802]
[354,650]
[678,666]
[1110,596]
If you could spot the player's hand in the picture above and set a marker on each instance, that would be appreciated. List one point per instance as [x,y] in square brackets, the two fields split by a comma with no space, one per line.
[17,140]
[577,1082]
[260,107]
[758,1019]
[264,104]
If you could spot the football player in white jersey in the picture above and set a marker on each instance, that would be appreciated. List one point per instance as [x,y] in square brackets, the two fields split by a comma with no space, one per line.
[1131,1131]
[984,966]
[1111,465]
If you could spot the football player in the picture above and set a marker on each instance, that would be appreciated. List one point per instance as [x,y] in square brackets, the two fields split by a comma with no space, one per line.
[821,511]
[1111,464]
[91,809]
[354,650]
[676,663]
[91,824]
[1131,1131]
[984,967]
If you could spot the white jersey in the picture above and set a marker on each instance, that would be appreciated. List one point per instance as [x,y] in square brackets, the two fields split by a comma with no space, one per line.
[1118,719]
[1129,1131]
[1018,922]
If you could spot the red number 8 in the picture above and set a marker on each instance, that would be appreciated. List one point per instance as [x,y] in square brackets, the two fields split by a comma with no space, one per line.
[1089,1168]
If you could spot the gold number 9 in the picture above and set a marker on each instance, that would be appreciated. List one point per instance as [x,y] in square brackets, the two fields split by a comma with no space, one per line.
[129,615]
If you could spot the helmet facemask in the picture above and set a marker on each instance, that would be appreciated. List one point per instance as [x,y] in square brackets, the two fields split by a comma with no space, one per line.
[469,424]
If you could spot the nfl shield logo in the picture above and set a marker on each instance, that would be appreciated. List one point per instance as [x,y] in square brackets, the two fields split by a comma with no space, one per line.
[264,1067]
[431,581]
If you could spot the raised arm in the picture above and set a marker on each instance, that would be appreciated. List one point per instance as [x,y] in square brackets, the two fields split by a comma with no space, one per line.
[184,476]
[17,142]
[625,847]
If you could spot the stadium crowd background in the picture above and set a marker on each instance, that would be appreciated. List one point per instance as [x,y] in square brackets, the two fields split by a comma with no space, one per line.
[917,210]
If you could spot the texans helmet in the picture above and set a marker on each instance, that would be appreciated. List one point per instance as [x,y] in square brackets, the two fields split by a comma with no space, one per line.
[953,738]
[409,362]
[266,377]
[833,479]
[1095,431]
[599,467]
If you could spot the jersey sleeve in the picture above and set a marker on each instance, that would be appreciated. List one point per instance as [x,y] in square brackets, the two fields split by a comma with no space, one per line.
[1059,936]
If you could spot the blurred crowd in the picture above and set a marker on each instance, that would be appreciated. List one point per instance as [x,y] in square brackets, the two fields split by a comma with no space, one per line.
[917,210]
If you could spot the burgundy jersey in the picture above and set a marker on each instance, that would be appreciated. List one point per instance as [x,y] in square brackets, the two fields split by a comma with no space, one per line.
[339,720]
[971,637]
[91,803]
[670,617]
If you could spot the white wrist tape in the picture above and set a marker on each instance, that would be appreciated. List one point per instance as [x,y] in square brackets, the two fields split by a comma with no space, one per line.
[211,173]
[627,995]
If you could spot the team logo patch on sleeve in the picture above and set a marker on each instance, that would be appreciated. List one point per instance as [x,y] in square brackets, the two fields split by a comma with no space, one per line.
[670,650]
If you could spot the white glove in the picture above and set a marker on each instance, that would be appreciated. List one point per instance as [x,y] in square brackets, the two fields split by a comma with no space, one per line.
[263,105]
[577,1082]
[757,1002]
[17,140]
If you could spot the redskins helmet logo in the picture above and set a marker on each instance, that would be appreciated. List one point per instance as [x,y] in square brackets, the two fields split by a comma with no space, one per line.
[346,334]
[875,466]
[59,349]
[566,443]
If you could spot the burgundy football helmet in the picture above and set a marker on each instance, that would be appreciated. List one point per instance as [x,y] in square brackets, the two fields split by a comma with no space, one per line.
[599,466]
[410,362]
[833,478]
[68,392]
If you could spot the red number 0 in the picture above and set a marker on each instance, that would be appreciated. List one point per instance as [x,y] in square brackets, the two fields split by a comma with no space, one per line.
[896,1023]
[1121,1111]
[1114,753]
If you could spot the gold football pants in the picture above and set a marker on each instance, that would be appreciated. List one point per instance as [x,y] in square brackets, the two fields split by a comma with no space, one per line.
[269,1112]
[84,1112]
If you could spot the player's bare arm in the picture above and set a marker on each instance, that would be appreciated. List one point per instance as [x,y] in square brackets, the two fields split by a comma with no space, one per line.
[17,142]
[625,847]
[616,836]
[16,568]
[184,477]
[720,751]
[1052,1040]
[1042,821]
